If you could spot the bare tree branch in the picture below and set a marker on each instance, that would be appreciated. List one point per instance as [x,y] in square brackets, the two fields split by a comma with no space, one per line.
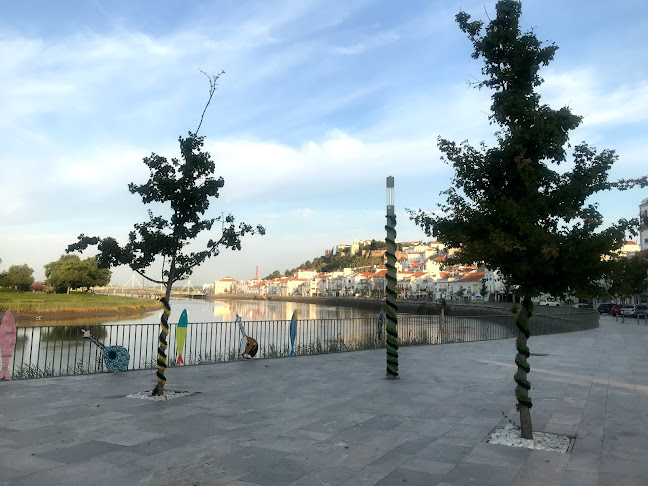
[213,80]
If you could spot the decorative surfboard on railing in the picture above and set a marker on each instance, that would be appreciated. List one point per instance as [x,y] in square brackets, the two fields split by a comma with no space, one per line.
[116,358]
[293,332]
[181,335]
[7,343]
[249,346]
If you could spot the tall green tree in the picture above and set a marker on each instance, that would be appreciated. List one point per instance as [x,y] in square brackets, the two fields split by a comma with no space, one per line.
[19,277]
[628,276]
[508,207]
[186,186]
[70,272]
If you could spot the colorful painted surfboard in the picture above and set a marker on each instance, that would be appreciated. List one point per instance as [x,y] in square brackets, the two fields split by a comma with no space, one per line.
[181,335]
[7,343]
[293,332]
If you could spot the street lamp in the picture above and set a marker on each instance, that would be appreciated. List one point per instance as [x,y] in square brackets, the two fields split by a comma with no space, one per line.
[391,279]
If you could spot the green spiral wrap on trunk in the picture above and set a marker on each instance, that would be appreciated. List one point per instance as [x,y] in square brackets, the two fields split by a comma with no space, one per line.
[523,385]
[391,326]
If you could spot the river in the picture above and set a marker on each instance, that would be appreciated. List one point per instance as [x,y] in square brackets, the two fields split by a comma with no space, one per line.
[50,349]
[53,348]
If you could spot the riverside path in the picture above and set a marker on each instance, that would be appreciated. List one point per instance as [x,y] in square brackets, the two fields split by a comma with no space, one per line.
[335,419]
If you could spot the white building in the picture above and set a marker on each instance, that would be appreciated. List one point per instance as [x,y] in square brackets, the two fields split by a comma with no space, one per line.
[643,224]
[224,285]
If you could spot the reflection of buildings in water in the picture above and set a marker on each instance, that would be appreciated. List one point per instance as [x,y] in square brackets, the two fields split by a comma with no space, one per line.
[260,310]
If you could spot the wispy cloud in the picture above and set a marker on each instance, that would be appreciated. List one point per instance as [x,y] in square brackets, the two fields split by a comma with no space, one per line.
[364,45]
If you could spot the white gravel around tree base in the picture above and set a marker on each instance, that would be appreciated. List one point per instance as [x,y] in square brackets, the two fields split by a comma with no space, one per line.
[542,441]
[168,395]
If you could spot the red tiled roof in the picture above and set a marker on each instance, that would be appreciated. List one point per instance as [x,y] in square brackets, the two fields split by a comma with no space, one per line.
[473,277]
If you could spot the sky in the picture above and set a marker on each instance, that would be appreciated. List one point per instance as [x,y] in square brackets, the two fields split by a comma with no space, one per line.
[320,101]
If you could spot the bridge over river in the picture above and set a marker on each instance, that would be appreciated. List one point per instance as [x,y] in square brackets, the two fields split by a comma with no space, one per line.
[151,292]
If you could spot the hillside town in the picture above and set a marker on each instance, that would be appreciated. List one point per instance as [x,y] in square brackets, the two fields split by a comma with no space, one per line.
[421,273]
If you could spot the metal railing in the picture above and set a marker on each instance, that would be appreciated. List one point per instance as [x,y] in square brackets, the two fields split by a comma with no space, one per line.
[62,351]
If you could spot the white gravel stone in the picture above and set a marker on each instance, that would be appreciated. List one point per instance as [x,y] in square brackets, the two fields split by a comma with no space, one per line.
[168,395]
[510,436]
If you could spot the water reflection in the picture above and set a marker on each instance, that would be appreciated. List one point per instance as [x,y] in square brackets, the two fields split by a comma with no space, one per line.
[72,333]
[253,310]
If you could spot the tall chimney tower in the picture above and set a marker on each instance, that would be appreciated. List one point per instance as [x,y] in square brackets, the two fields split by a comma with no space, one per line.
[257,273]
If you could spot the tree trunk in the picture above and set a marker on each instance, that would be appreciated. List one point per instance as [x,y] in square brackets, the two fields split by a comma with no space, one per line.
[521,359]
[162,340]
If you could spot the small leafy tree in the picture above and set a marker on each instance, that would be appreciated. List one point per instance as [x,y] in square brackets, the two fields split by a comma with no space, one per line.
[507,207]
[186,186]
[70,272]
[19,277]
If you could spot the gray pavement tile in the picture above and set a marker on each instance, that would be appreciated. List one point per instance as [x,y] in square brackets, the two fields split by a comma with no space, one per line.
[483,474]
[433,467]
[7,474]
[79,452]
[389,461]
[285,444]
[624,463]
[83,474]
[383,422]
[443,450]
[325,476]
[130,437]
[159,445]
[202,475]
[279,473]
[584,461]
[46,433]
[251,459]
[410,477]
[579,478]
[619,479]
[414,446]
[470,431]
[498,455]
[544,467]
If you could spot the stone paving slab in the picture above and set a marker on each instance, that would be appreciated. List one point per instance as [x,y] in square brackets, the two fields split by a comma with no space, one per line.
[335,420]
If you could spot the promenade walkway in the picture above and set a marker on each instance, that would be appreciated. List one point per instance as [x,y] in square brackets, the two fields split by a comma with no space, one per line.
[335,420]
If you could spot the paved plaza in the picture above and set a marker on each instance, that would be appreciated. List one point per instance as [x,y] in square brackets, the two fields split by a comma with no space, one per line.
[335,420]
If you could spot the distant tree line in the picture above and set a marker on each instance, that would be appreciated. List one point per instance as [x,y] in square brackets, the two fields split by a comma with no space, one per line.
[67,273]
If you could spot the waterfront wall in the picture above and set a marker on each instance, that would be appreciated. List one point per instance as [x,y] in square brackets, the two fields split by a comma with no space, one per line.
[545,320]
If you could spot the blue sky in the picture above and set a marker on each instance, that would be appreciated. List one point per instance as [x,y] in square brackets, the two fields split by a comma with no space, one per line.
[321,101]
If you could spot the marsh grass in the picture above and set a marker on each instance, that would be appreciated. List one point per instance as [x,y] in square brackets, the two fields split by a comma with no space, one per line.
[75,303]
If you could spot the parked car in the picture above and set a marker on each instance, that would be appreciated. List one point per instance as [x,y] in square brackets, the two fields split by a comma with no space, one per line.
[549,302]
[605,308]
[640,311]
[584,305]
[616,310]
[628,310]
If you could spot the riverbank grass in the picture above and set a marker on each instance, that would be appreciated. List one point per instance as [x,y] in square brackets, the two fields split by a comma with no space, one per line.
[74,303]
